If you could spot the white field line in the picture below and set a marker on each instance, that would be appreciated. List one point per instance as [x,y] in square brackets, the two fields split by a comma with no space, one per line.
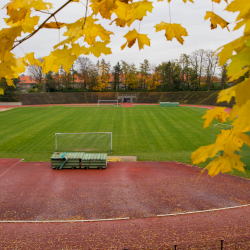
[61,221]
[10,168]
[203,211]
[124,218]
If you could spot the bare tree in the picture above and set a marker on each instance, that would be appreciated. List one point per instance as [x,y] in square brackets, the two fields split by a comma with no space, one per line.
[87,70]
[184,62]
[211,63]
[197,60]
[36,73]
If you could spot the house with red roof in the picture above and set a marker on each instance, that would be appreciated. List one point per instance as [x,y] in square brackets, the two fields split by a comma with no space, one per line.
[26,82]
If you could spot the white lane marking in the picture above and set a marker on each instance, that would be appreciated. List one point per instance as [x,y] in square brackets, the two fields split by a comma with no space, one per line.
[61,221]
[203,211]
[124,218]
[10,167]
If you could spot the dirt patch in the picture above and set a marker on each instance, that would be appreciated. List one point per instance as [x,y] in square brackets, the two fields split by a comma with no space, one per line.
[4,109]
[122,158]
[42,106]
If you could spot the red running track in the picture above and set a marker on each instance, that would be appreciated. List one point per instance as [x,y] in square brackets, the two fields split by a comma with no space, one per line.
[127,105]
[138,190]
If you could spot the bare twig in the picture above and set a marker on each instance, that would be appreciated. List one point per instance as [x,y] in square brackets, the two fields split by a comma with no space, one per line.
[44,12]
[34,32]
[169,11]
[87,3]
[58,28]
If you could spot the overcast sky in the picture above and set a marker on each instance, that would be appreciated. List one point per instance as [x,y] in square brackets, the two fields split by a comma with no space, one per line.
[190,16]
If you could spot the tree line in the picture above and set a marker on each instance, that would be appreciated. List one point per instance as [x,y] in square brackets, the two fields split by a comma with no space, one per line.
[197,71]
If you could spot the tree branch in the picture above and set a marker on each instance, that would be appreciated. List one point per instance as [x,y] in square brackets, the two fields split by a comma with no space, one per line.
[85,14]
[33,33]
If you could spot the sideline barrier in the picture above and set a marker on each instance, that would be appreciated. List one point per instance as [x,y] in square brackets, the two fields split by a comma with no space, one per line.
[10,104]
[169,104]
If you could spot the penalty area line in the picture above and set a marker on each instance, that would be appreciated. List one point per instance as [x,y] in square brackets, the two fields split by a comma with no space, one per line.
[11,167]
[203,211]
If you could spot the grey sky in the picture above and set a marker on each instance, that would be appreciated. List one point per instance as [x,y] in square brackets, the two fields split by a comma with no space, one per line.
[191,16]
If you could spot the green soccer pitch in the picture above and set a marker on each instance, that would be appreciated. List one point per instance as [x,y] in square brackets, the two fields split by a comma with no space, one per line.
[151,133]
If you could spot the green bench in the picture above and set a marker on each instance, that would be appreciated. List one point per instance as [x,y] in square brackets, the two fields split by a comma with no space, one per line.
[169,104]
[72,160]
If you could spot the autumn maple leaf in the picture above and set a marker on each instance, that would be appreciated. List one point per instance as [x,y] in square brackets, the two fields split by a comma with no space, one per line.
[132,36]
[215,20]
[218,113]
[173,30]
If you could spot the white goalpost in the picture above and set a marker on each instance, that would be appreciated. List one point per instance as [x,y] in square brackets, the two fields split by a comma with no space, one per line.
[108,102]
[92,142]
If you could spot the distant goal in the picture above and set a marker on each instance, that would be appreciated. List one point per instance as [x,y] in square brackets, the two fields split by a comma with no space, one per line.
[92,142]
[108,102]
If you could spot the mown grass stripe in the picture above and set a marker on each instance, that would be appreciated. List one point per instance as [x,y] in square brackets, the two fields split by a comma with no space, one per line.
[148,132]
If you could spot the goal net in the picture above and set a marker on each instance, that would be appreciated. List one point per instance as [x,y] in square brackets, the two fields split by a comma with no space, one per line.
[96,142]
[108,102]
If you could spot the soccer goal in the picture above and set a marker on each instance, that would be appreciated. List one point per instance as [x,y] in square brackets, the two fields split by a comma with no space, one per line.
[108,102]
[94,142]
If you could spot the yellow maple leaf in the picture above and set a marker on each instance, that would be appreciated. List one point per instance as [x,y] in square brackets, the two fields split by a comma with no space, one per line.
[228,49]
[173,30]
[132,36]
[204,152]
[53,25]
[218,1]
[224,164]
[17,15]
[241,6]
[21,65]
[32,60]
[104,7]
[28,24]
[100,47]
[239,61]
[242,122]
[10,82]
[7,65]
[36,5]
[48,64]
[7,38]
[64,58]
[215,20]
[127,13]
[141,8]
[90,31]
[79,50]
[240,91]
[218,113]
[1,91]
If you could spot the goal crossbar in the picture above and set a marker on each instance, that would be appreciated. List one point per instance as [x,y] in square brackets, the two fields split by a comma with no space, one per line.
[108,102]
